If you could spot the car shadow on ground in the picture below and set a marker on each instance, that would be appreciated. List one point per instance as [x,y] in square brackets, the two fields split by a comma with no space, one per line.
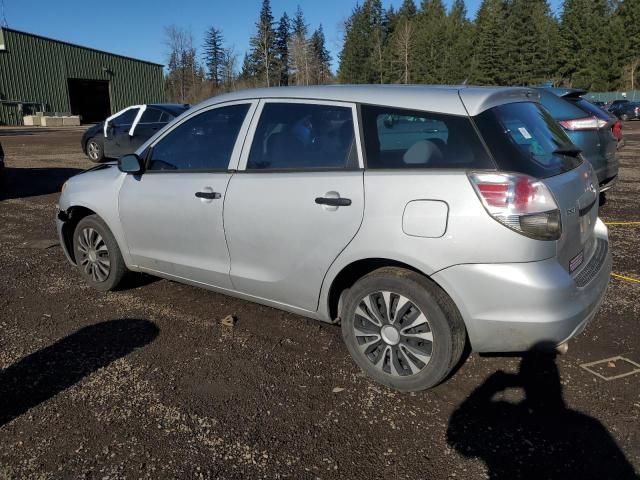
[47,372]
[31,182]
[538,437]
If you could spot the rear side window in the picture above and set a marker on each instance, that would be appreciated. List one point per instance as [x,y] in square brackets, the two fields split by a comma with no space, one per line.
[559,108]
[397,139]
[303,136]
[151,115]
[524,138]
[203,142]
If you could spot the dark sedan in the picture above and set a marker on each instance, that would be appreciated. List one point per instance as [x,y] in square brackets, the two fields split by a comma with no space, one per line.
[127,130]
[626,111]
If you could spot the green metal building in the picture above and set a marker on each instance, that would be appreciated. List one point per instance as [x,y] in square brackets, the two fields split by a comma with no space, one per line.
[41,74]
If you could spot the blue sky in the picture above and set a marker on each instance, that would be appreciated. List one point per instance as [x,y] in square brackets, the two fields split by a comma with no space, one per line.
[135,27]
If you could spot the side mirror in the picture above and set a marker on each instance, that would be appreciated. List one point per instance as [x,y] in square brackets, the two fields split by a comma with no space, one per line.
[130,164]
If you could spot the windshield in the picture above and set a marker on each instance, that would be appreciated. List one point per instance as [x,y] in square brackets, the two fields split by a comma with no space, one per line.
[523,137]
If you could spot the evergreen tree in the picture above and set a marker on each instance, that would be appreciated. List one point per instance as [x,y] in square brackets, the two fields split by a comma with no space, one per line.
[430,44]
[459,41]
[263,47]
[214,55]
[362,55]
[625,30]
[321,57]
[490,54]
[283,36]
[300,27]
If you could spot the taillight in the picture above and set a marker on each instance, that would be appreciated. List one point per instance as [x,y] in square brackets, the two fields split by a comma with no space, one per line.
[520,202]
[588,123]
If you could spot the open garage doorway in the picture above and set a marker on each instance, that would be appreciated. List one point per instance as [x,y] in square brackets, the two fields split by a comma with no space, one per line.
[89,99]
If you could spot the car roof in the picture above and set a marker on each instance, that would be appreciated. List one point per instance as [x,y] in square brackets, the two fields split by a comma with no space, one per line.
[438,98]
[173,108]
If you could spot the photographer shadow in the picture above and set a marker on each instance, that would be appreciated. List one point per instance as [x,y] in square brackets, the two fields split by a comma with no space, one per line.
[538,437]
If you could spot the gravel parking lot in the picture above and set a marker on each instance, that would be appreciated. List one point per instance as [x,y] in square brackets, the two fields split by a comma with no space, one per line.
[147,382]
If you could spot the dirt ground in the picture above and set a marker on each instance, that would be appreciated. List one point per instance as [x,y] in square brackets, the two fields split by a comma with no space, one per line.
[147,383]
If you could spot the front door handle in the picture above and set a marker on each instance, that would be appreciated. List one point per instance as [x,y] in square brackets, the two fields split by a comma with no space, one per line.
[208,195]
[333,202]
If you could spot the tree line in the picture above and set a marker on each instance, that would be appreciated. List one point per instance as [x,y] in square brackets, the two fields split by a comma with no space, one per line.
[591,44]
[284,52]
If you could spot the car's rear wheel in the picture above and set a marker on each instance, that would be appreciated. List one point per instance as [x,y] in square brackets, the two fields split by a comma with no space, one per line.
[95,149]
[402,329]
[97,254]
[625,117]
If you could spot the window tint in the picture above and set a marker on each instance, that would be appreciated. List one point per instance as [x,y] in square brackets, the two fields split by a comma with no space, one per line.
[301,136]
[524,138]
[204,142]
[396,138]
[559,108]
[166,117]
[151,115]
[592,109]
[126,118]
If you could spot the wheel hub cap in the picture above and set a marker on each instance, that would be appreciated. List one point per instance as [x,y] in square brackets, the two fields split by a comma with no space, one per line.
[93,255]
[390,335]
[393,334]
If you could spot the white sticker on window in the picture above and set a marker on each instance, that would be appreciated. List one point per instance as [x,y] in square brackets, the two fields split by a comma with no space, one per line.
[525,133]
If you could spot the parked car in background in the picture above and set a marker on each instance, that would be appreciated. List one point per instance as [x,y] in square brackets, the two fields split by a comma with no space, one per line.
[125,131]
[626,111]
[588,127]
[481,218]
[613,103]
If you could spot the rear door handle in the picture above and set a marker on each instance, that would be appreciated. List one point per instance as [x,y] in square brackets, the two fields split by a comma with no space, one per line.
[333,202]
[208,195]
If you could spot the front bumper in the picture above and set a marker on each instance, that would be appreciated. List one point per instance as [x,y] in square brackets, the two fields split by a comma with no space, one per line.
[518,306]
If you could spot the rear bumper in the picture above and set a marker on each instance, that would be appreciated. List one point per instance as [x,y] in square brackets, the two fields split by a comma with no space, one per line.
[514,307]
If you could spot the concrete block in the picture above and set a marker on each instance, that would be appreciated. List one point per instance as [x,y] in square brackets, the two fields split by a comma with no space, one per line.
[31,120]
[71,121]
[39,114]
[51,121]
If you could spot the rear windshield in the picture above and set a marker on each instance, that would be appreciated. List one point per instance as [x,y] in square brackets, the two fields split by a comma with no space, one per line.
[592,109]
[524,138]
[559,108]
[396,138]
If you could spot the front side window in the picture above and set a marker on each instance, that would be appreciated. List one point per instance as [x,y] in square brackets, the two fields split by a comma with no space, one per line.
[126,118]
[203,142]
[397,138]
[303,136]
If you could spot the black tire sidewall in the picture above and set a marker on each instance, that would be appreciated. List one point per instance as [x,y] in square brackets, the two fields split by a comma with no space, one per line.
[117,268]
[419,293]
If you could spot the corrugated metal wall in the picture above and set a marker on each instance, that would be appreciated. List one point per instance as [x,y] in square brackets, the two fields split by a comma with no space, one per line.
[36,69]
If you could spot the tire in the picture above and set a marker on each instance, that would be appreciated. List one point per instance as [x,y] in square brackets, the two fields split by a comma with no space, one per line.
[97,254]
[95,149]
[624,117]
[378,353]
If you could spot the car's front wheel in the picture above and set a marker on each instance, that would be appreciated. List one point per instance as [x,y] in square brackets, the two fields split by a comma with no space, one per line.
[97,254]
[402,329]
[625,117]
[95,149]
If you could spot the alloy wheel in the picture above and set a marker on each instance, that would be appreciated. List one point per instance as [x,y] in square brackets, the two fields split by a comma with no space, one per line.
[393,333]
[94,254]
[93,150]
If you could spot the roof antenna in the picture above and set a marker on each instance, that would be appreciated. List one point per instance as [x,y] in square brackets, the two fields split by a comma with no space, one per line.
[3,12]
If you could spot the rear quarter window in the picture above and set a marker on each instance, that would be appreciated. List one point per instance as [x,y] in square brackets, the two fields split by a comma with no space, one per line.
[399,139]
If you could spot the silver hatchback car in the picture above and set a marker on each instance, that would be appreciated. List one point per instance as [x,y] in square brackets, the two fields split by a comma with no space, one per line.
[421,218]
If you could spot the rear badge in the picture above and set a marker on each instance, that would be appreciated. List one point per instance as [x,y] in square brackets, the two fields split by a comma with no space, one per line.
[576,261]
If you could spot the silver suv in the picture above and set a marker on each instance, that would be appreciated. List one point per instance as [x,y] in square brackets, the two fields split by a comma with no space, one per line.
[421,218]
